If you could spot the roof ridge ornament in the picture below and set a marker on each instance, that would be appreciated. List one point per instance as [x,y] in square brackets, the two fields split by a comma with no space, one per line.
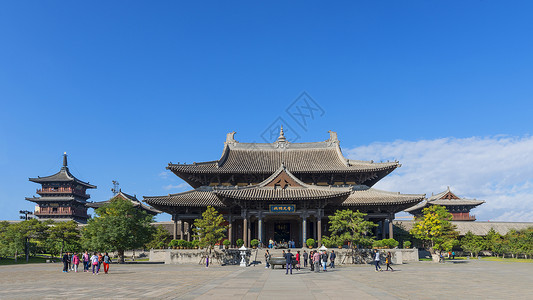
[65,164]
[333,136]
[230,138]
[281,137]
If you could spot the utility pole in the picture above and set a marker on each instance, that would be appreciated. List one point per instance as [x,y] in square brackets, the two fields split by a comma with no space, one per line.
[26,216]
[115,188]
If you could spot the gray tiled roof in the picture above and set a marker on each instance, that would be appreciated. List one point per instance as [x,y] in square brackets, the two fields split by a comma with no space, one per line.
[317,157]
[63,175]
[131,198]
[51,199]
[200,197]
[266,191]
[438,200]
[363,195]
[477,228]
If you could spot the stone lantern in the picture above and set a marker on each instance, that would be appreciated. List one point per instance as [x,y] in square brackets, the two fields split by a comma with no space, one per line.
[243,255]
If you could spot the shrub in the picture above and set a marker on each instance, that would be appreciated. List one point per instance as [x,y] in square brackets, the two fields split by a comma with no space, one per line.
[182,243]
[407,244]
[378,244]
[174,243]
[310,243]
[239,243]
[226,243]
[254,243]
[195,243]
[329,242]
[390,243]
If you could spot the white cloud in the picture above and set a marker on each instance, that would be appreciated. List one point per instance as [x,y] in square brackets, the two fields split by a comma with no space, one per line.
[164,174]
[181,186]
[496,169]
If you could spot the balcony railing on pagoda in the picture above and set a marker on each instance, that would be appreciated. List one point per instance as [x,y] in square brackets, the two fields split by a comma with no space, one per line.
[62,190]
[463,217]
[60,211]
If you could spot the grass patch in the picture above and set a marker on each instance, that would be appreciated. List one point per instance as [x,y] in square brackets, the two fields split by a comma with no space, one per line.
[493,258]
[22,260]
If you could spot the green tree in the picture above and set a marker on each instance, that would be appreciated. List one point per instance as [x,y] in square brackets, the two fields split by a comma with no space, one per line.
[160,239]
[435,229]
[63,236]
[472,243]
[514,243]
[492,240]
[118,226]
[18,237]
[210,229]
[350,226]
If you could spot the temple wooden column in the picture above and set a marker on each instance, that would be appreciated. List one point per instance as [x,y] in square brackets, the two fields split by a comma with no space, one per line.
[260,230]
[188,232]
[245,231]
[175,227]
[230,230]
[182,229]
[391,233]
[304,230]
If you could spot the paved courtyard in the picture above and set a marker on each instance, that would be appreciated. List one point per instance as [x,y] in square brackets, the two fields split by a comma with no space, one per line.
[424,280]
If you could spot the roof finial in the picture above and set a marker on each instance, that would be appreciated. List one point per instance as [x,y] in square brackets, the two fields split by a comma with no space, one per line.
[281,137]
[65,160]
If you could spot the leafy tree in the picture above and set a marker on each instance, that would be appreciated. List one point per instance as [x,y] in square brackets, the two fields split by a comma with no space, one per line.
[210,229]
[491,241]
[160,239]
[16,237]
[472,243]
[63,236]
[435,229]
[348,225]
[118,226]
[514,244]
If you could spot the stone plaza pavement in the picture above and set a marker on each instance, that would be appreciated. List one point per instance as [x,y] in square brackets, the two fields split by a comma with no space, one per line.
[423,280]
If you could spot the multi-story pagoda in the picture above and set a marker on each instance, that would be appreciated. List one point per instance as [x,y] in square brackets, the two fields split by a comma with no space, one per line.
[459,207]
[133,199]
[282,190]
[62,196]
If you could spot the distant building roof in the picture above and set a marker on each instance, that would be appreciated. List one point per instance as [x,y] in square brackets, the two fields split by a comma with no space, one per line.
[477,228]
[133,199]
[446,198]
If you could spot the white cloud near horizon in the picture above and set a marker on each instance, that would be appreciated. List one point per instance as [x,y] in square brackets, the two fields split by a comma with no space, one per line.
[179,186]
[497,169]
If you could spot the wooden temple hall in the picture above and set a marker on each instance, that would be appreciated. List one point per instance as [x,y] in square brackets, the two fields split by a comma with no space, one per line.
[282,191]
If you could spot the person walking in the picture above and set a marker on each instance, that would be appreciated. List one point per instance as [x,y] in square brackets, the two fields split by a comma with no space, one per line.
[298,257]
[288,261]
[284,254]
[376,260]
[332,257]
[86,261]
[316,261]
[107,261]
[75,262]
[311,263]
[305,257]
[388,261]
[69,261]
[94,263]
[65,260]
[324,258]
[453,254]
[267,259]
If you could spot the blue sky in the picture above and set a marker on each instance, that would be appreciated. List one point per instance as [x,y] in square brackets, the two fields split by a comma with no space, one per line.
[125,87]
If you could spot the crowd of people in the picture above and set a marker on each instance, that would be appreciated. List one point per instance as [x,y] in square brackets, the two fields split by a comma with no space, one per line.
[317,260]
[96,261]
